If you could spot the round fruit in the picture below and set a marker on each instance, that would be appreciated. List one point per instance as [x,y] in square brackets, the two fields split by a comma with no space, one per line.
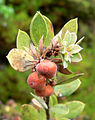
[47,68]
[36,81]
[46,92]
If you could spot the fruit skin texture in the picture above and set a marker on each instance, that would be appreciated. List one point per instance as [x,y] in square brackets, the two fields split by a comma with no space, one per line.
[36,82]
[46,92]
[46,68]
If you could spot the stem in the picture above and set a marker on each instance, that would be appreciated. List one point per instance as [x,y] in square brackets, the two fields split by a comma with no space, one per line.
[47,110]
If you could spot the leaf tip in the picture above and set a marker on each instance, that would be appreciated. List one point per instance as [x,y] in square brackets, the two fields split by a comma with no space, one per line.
[79,82]
[38,13]
[7,56]
[19,30]
[76,19]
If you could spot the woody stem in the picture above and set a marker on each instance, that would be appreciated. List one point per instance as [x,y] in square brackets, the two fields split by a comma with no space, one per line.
[47,110]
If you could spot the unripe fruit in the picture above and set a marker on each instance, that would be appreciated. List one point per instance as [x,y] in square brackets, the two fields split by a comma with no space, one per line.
[36,82]
[46,92]
[47,68]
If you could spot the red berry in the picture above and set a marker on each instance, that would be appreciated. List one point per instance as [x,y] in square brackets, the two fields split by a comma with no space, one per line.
[46,92]
[36,82]
[47,68]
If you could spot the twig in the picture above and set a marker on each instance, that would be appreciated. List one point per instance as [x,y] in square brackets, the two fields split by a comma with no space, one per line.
[56,60]
[47,110]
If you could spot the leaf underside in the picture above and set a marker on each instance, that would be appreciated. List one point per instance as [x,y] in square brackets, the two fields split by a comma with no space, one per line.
[68,88]
[75,109]
[20,60]
[41,101]
[59,109]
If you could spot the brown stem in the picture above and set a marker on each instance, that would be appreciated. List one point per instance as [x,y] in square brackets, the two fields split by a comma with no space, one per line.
[47,110]
[56,60]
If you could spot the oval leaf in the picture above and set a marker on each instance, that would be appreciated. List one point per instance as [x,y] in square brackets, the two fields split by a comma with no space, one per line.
[23,40]
[38,28]
[41,101]
[20,60]
[50,32]
[75,49]
[28,112]
[71,26]
[73,37]
[76,58]
[59,109]
[53,100]
[75,108]
[67,89]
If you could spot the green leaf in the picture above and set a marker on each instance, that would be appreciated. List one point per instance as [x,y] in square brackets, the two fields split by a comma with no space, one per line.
[28,112]
[42,114]
[60,117]
[64,62]
[73,38]
[75,49]
[50,32]
[71,26]
[75,108]
[76,58]
[67,89]
[57,116]
[41,101]
[38,28]
[20,60]
[23,40]
[59,109]
[53,100]
[67,38]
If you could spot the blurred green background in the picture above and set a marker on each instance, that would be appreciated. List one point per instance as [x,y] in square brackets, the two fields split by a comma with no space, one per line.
[17,14]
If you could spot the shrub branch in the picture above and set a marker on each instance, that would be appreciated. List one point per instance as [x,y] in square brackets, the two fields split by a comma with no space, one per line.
[47,110]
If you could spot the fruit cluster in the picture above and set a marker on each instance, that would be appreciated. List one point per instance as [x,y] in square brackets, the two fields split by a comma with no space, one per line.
[39,80]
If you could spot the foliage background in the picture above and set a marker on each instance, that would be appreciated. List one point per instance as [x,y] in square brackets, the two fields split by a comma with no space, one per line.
[17,14]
